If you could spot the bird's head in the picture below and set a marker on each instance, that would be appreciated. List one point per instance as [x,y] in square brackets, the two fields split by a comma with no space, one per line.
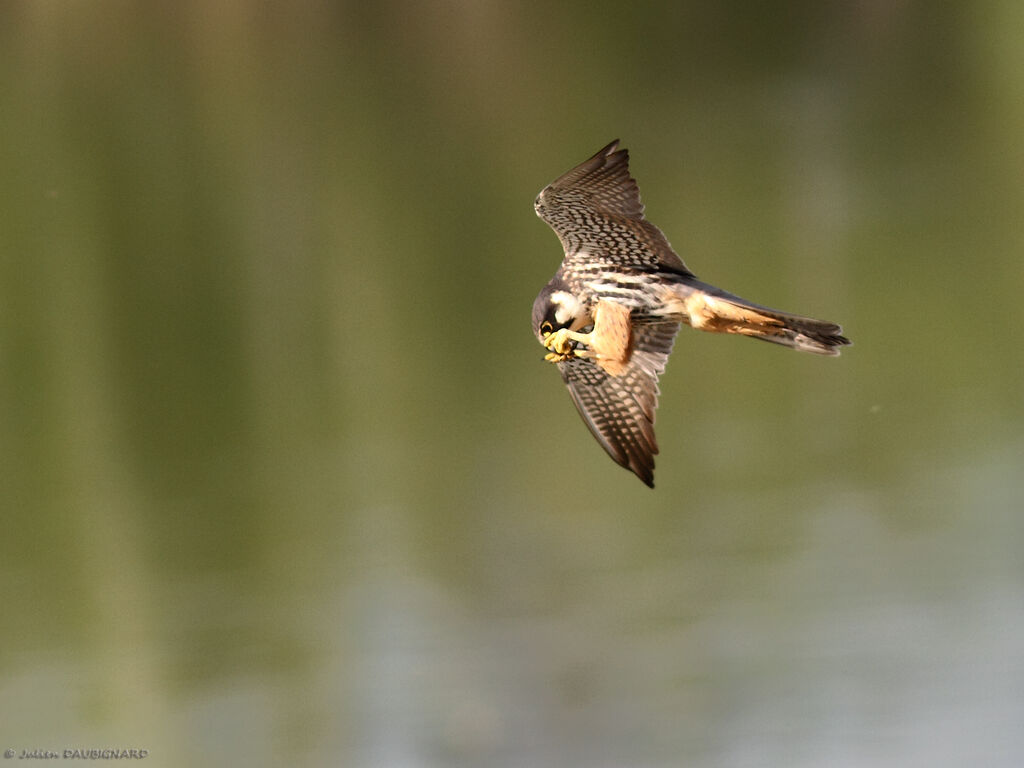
[557,307]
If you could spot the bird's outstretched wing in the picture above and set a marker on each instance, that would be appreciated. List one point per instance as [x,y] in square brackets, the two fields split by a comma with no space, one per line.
[596,212]
[619,410]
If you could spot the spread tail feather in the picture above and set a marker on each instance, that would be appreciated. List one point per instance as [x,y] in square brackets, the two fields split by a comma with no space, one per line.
[802,333]
[712,309]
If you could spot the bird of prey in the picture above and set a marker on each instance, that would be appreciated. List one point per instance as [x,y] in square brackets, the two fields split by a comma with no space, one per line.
[610,314]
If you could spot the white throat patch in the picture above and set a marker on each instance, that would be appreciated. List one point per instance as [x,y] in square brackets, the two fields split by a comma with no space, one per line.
[569,310]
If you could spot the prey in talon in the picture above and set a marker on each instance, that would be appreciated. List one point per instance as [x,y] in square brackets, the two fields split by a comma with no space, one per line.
[610,314]
[563,344]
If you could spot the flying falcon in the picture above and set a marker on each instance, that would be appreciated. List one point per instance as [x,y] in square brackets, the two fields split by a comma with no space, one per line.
[610,314]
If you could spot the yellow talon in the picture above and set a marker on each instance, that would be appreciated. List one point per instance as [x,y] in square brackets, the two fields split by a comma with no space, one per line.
[557,342]
[561,345]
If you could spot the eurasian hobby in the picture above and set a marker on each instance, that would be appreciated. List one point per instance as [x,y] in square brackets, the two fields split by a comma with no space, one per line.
[610,314]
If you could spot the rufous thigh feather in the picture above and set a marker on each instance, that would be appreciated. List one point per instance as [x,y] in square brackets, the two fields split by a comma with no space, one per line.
[611,340]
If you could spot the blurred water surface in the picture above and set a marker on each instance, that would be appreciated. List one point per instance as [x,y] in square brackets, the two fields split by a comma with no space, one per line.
[286,481]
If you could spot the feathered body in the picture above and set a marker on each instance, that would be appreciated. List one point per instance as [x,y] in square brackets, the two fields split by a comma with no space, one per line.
[621,294]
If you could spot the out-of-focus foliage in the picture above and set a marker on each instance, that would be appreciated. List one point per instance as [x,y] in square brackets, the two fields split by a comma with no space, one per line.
[286,481]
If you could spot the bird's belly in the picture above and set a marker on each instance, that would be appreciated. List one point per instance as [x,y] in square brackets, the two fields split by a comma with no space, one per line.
[649,296]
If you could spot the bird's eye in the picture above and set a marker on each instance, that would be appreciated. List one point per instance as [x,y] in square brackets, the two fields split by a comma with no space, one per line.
[546,328]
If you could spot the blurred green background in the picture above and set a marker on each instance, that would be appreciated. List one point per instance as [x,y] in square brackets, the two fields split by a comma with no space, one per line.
[285,480]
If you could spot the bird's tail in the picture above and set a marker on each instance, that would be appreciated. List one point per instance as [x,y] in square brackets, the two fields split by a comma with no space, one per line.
[711,309]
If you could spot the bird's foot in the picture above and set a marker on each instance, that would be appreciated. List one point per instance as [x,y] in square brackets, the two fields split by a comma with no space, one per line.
[562,347]
[555,357]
